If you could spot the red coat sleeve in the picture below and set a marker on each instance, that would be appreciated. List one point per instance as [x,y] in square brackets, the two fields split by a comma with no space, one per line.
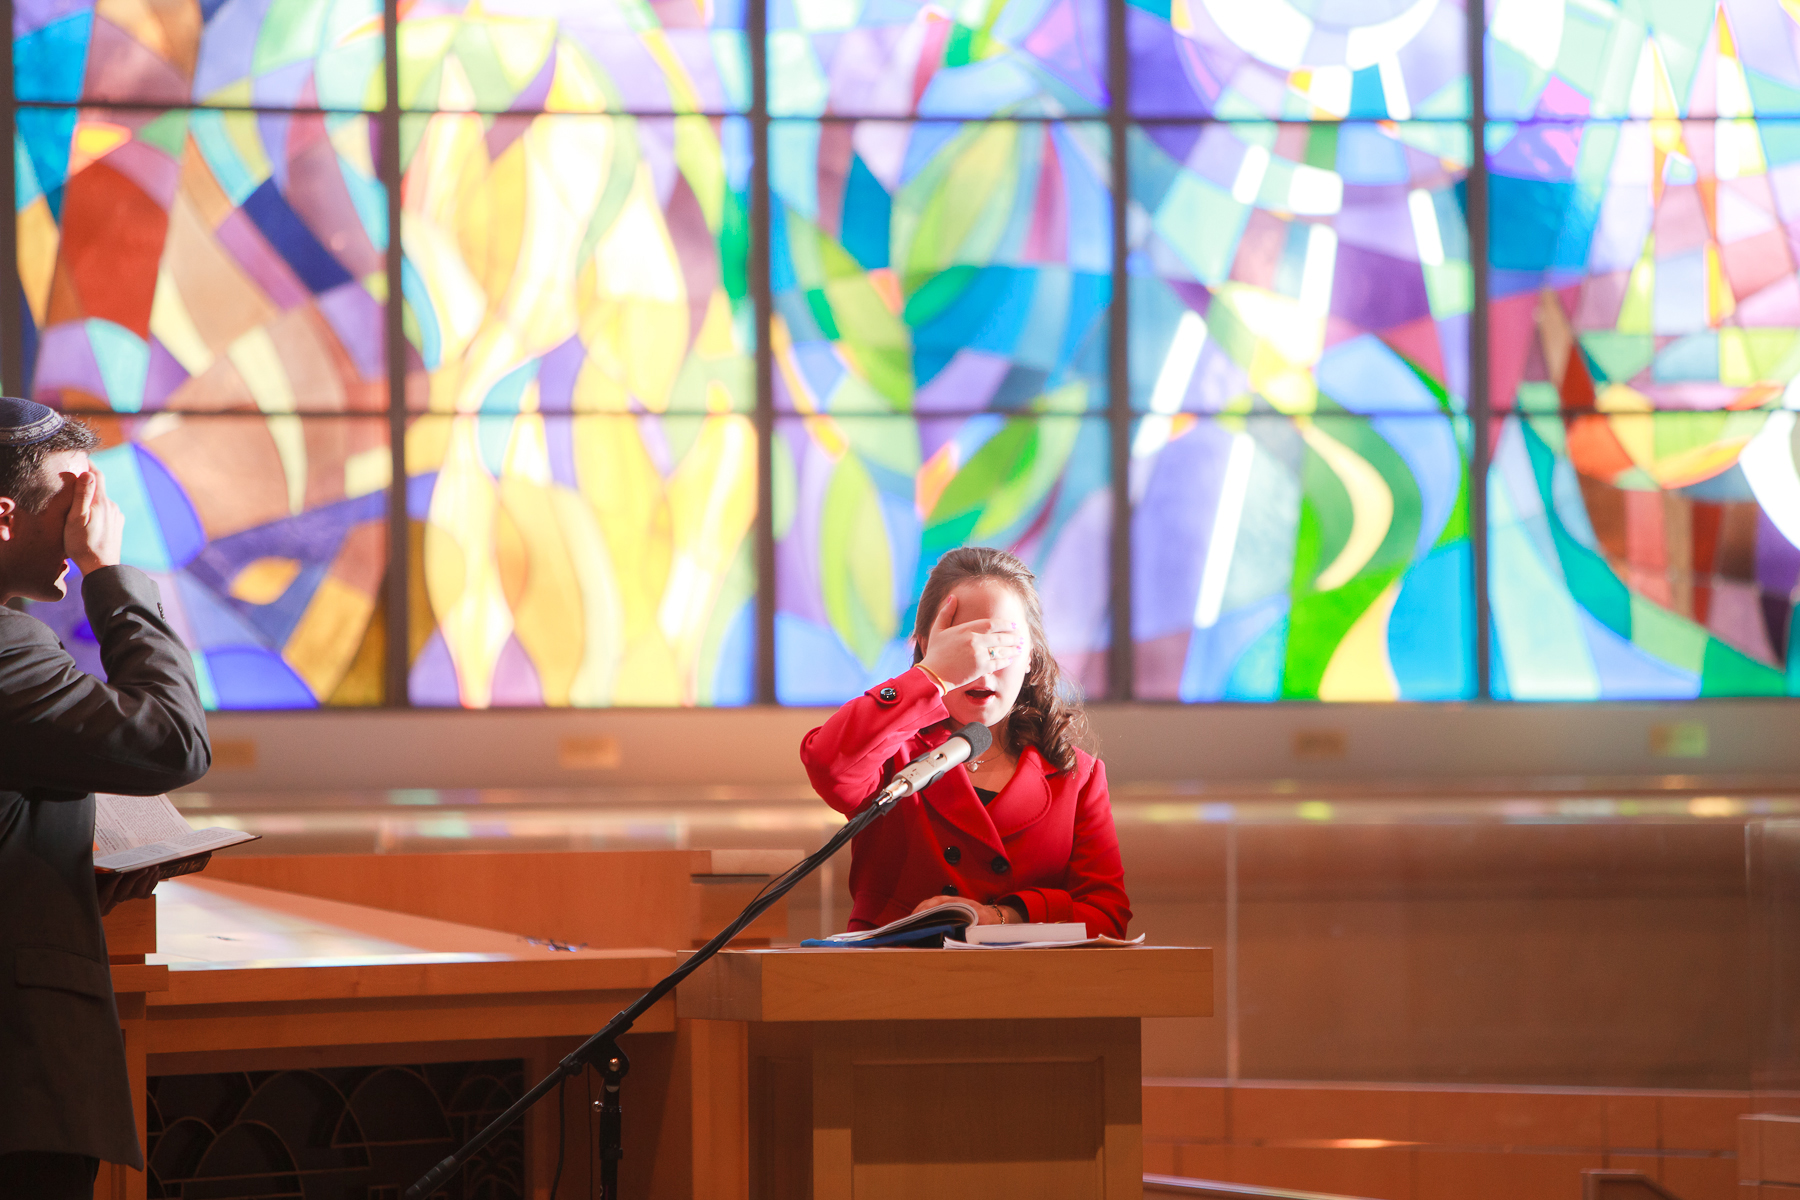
[847,757]
[1093,890]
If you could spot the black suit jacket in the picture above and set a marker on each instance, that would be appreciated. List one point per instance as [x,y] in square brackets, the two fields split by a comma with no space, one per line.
[63,736]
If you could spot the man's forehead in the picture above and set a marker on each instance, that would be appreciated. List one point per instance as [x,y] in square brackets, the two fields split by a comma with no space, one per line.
[72,462]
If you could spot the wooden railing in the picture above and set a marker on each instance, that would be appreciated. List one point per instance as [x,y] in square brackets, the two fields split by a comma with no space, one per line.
[1176,1185]
[1622,1185]
[1595,1185]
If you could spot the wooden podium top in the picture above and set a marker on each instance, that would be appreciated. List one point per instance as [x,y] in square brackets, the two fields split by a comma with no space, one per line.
[938,985]
[223,943]
[252,978]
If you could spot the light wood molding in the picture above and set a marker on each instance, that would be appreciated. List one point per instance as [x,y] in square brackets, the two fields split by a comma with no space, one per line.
[596,899]
[139,978]
[1769,1149]
[861,985]
[131,930]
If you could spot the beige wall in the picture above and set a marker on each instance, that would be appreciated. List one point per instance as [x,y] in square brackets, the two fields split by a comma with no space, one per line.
[1739,743]
[1611,954]
[1604,955]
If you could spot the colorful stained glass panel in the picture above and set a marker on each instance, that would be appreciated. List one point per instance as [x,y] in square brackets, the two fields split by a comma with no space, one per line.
[267,537]
[1641,556]
[665,56]
[1298,268]
[578,264]
[865,505]
[1318,60]
[901,58]
[201,260]
[939,267]
[1303,558]
[1644,265]
[585,561]
[267,53]
[1563,59]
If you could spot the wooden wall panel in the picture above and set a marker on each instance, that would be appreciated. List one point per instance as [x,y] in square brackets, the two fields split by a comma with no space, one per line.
[602,900]
[1470,951]
[1423,1142]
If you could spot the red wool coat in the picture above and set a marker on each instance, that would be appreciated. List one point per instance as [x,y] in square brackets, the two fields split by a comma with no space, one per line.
[1045,843]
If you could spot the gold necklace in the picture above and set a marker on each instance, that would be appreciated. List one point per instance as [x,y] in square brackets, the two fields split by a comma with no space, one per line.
[977,763]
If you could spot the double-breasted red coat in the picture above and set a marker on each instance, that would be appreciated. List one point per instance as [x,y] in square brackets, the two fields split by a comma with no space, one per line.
[1046,842]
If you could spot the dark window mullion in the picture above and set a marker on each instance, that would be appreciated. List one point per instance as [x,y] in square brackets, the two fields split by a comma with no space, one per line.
[1480,403]
[756,20]
[399,605]
[191,106]
[12,306]
[1120,664]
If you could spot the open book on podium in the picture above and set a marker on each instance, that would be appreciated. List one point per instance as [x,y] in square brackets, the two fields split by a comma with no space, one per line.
[956,924]
[134,832]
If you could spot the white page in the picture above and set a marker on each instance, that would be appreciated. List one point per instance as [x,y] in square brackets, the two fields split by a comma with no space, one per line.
[1027,931]
[146,831]
[126,822]
[185,845]
[909,921]
[1102,940]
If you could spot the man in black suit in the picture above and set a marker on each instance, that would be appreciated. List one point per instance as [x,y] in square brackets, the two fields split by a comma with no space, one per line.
[65,1102]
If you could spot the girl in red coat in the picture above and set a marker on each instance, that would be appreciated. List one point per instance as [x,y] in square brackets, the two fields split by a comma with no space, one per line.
[1025,829]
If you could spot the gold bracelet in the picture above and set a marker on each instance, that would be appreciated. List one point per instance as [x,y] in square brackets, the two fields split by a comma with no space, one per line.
[1005,914]
[942,687]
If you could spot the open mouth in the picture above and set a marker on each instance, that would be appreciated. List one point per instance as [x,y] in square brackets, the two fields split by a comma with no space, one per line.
[980,694]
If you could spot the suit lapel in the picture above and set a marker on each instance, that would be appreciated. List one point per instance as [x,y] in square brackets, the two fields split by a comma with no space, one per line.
[953,798]
[1025,798]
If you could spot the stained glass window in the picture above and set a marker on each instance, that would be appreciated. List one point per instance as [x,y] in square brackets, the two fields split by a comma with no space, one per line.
[864,505]
[1300,273]
[1299,59]
[1645,310]
[584,560]
[579,290]
[1643,264]
[585,264]
[267,537]
[1555,59]
[974,58]
[668,56]
[939,266]
[202,260]
[1299,268]
[1309,557]
[1645,556]
[266,53]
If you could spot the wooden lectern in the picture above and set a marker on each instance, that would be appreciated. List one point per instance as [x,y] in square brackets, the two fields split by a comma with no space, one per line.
[266,965]
[989,1074]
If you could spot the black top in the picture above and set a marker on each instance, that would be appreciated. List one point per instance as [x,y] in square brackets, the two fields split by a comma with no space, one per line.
[26,422]
[987,797]
[63,736]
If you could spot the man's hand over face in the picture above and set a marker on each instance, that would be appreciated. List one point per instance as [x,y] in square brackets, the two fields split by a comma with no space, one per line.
[96,528]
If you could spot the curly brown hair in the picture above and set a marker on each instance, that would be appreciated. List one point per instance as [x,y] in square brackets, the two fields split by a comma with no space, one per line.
[1042,716]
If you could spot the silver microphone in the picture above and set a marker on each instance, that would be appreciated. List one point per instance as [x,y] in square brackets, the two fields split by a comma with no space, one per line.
[971,741]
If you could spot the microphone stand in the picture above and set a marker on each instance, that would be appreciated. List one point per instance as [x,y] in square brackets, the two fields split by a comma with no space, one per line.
[602,1049]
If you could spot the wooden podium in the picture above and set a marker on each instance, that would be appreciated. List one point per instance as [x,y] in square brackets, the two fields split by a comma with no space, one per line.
[945,1073]
[269,965]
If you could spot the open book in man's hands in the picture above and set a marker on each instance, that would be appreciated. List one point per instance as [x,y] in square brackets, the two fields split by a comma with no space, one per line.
[133,832]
